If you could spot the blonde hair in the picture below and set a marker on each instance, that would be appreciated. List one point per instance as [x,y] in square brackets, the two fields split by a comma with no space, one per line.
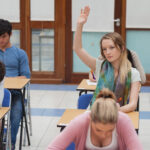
[104,109]
[125,65]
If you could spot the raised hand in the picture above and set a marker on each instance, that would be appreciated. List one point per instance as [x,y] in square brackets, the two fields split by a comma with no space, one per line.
[84,15]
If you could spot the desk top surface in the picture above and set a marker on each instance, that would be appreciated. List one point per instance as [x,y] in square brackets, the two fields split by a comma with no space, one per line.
[84,86]
[3,111]
[70,114]
[15,83]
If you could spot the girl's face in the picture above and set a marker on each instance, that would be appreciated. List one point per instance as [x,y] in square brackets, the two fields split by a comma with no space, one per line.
[102,131]
[110,51]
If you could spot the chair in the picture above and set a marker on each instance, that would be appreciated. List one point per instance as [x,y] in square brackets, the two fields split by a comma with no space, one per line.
[7,103]
[84,101]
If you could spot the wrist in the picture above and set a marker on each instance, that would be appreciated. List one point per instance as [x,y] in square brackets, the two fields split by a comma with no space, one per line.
[80,25]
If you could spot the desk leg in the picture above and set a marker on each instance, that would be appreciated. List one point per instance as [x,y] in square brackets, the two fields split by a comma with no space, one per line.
[137,131]
[82,92]
[1,133]
[20,144]
[26,126]
[62,128]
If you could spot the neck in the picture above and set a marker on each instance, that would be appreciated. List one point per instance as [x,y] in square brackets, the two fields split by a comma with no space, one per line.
[116,65]
[5,47]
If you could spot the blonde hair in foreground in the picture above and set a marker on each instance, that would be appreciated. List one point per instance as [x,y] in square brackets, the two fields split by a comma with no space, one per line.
[125,65]
[104,109]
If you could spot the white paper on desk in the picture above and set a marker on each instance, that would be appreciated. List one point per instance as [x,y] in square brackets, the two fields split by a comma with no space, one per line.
[91,83]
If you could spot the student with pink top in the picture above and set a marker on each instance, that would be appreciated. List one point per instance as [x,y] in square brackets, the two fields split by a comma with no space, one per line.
[102,128]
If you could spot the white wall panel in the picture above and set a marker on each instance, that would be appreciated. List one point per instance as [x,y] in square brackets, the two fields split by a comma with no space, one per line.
[138,14]
[42,10]
[101,15]
[10,10]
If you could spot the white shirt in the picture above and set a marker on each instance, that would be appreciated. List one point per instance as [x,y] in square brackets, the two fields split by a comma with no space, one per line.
[112,146]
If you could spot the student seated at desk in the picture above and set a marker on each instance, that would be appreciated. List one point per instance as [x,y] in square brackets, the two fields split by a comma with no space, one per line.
[16,64]
[102,128]
[114,71]
[85,99]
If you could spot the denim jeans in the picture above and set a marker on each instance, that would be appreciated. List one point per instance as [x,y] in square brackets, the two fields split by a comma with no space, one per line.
[15,114]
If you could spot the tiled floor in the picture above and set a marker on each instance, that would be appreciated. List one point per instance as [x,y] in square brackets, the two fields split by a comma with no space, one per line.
[48,103]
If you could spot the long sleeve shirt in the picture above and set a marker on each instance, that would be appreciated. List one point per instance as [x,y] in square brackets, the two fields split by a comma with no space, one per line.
[16,62]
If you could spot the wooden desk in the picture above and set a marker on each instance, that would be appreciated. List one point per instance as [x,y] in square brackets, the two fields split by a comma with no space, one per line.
[70,114]
[15,83]
[84,87]
[3,112]
[19,84]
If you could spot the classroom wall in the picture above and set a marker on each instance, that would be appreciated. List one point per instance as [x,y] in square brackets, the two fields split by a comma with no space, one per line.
[138,41]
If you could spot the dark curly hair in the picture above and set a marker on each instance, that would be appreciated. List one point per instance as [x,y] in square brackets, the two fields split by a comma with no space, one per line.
[2,71]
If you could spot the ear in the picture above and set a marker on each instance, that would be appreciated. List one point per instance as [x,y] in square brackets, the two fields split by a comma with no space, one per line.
[123,48]
[10,34]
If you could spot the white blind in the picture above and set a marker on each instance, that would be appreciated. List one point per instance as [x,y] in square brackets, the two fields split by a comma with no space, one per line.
[10,10]
[101,15]
[42,10]
[138,14]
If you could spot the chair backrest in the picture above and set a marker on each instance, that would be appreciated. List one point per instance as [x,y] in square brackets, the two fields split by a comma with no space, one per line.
[7,98]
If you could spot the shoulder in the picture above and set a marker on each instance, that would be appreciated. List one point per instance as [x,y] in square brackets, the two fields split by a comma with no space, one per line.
[79,124]
[122,116]
[134,71]
[99,61]
[135,75]
[122,119]
[21,51]
[17,50]
[83,119]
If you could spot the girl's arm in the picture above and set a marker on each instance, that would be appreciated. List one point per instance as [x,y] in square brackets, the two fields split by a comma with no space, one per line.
[133,98]
[77,43]
[65,138]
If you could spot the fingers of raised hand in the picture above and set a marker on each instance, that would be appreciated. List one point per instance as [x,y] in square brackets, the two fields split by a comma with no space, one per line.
[86,10]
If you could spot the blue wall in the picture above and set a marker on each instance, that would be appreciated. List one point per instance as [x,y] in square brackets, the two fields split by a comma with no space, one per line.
[139,41]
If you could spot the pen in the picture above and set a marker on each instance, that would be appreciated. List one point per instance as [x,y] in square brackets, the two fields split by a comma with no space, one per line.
[93,75]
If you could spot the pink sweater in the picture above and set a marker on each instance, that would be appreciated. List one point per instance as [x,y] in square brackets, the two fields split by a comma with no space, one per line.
[77,129]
